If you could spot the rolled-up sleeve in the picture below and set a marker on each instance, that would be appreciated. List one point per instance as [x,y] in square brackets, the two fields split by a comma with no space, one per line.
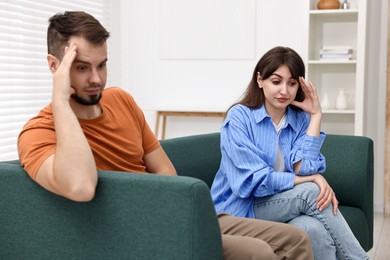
[307,150]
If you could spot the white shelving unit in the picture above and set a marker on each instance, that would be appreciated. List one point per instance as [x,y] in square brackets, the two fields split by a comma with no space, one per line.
[338,27]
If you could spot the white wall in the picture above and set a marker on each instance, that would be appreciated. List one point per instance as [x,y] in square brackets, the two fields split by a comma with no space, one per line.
[175,54]
[199,54]
[375,91]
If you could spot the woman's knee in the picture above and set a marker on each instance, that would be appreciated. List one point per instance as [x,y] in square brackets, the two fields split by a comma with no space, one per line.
[314,228]
[310,190]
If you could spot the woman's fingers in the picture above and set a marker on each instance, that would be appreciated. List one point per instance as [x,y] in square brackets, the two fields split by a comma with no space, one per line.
[307,87]
[326,196]
[326,199]
[335,203]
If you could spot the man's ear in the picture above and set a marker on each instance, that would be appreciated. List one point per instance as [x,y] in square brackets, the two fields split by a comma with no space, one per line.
[53,63]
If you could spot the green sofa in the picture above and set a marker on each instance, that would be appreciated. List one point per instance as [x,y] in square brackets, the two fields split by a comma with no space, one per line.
[350,172]
[145,216]
[133,216]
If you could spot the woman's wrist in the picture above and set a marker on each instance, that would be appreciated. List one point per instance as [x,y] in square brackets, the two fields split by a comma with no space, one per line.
[317,116]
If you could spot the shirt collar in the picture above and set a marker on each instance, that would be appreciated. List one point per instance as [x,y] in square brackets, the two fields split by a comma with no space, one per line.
[292,115]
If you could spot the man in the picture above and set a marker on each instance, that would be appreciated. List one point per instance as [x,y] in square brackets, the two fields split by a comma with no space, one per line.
[87,127]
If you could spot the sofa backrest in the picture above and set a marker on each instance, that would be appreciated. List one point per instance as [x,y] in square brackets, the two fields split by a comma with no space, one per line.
[349,161]
[197,156]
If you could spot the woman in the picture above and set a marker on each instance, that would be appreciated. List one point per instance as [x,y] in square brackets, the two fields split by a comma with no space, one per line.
[271,162]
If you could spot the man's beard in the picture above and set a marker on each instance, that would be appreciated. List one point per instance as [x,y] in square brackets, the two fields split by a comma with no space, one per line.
[90,101]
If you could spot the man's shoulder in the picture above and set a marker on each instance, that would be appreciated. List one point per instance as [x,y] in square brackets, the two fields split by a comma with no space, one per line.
[115,93]
[117,97]
[43,119]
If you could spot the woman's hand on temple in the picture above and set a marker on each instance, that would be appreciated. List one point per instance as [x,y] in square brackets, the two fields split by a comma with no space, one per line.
[311,103]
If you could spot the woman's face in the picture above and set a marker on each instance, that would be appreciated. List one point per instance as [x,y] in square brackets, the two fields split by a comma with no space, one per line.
[279,90]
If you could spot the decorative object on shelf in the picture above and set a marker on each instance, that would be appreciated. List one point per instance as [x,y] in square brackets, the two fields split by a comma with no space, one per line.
[345,5]
[328,4]
[325,102]
[341,100]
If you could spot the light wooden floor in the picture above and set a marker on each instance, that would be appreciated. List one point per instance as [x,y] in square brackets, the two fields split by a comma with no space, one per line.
[381,248]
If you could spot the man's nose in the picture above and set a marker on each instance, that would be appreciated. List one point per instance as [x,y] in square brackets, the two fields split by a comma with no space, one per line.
[95,78]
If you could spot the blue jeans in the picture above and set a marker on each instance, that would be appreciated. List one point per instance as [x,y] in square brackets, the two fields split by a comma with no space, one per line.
[322,243]
[330,234]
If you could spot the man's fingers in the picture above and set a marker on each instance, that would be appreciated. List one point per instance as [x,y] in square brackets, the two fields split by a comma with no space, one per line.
[69,56]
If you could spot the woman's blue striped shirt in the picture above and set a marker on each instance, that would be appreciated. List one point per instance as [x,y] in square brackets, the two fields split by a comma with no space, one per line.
[249,147]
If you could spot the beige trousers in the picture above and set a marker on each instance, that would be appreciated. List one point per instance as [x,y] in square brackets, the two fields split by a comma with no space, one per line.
[246,238]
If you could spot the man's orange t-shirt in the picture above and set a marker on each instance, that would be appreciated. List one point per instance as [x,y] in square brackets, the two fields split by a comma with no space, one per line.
[119,138]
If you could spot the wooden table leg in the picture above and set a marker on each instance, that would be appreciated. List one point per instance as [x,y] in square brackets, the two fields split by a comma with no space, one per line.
[164,125]
[157,124]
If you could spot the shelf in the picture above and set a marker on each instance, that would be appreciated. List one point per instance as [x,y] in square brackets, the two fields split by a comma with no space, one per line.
[335,111]
[338,27]
[334,29]
[334,12]
[341,62]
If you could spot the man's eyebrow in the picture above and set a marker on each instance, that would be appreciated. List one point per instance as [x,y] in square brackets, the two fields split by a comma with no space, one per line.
[81,61]
[87,62]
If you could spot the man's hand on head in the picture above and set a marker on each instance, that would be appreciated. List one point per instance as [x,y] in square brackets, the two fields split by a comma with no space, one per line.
[62,89]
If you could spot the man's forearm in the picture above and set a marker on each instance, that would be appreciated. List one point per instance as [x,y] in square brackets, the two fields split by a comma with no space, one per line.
[74,168]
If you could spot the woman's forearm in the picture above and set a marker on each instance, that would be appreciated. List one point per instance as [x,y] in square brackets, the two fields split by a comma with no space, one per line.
[314,125]
[301,179]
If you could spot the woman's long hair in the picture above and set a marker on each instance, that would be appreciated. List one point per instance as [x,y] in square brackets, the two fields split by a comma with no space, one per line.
[253,96]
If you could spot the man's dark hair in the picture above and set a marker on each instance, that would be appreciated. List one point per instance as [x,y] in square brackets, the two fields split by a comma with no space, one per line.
[73,23]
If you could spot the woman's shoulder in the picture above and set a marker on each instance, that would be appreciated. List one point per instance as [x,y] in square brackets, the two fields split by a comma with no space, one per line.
[240,108]
[244,113]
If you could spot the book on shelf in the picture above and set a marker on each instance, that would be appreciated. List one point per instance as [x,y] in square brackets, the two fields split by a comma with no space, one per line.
[337,47]
[336,53]
[330,56]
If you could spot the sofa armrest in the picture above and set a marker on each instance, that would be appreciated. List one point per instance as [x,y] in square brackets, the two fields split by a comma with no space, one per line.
[350,172]
[133,216]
